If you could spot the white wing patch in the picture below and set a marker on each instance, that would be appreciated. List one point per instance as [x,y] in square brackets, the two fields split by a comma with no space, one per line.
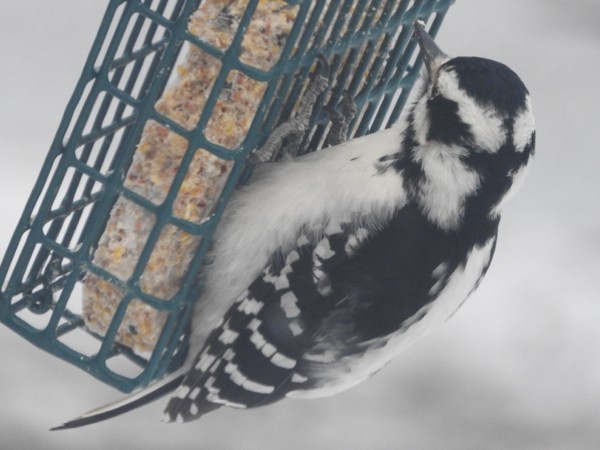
[440,275]
[323,252]
[241,380]
[356,240]
[289,305]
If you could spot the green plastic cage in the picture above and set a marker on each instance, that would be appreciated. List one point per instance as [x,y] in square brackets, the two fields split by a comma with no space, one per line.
[134,61]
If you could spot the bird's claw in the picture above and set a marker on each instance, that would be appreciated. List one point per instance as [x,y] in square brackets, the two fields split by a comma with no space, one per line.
[297,126]
[341,117]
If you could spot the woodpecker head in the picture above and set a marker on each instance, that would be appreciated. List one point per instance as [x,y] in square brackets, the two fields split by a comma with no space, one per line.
[470,136]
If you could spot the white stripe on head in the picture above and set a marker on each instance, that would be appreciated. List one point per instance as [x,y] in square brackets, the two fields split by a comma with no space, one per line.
[524,127]
[485,122]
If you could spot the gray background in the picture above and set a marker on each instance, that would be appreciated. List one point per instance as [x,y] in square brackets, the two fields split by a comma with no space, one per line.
[517,367]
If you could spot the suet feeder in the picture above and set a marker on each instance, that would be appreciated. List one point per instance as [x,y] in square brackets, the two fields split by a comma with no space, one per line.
[102,269]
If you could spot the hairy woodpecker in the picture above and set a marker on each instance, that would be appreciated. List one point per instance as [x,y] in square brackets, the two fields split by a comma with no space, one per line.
[327,266]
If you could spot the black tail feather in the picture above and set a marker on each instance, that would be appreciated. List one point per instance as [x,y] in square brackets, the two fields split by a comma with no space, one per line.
[136,400]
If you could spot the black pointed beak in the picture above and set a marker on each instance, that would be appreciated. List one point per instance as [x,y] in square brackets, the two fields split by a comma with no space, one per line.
[433,56]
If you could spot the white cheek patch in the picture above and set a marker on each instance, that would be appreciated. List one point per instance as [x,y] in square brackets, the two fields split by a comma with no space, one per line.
[523,127]
[446,185]
[486,123]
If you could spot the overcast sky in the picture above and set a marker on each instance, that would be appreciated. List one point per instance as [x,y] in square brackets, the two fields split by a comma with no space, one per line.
[517,367]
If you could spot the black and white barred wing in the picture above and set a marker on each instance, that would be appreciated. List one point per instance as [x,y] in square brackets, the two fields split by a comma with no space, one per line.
[254,356]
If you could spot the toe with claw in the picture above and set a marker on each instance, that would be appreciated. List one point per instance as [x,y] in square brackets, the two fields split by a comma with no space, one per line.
[297,126]
[341,117]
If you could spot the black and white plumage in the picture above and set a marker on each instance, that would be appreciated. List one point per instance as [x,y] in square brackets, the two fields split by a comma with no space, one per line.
[326,267]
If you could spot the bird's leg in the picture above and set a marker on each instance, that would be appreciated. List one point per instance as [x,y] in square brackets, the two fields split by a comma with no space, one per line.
[340,120]
[296,126]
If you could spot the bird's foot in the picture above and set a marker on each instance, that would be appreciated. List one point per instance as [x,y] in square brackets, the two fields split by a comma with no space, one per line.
[341,117]
[293,130]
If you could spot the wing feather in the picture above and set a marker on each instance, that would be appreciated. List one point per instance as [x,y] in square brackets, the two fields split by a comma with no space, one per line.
[252,358]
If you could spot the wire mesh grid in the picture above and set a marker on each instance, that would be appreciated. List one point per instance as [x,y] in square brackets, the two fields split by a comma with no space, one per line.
[140,57]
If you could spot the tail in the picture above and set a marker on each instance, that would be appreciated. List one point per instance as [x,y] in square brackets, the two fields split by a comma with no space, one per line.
[129,403]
